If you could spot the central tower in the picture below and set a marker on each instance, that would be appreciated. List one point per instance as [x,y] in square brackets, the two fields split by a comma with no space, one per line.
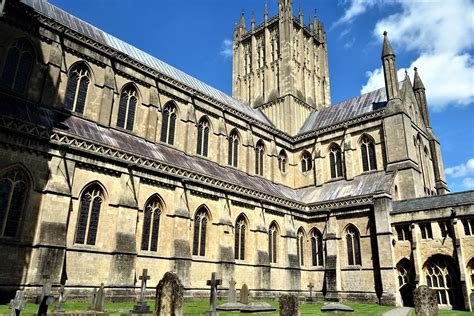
[281,67]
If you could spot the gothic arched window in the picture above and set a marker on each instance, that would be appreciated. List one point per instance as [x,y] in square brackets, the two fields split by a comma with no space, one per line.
[127,107]
[203,137]
[317,254]
[300,246]
[89,212]
[76,90]
[151,224]
[272,242]
[335,161]
[240,232]
[259,155]
[282,161]
[233,148]
[306,162]
[13,193]
[367,148]
[18,65]
[353,246]
[443,277]
[168,125]
[200,227]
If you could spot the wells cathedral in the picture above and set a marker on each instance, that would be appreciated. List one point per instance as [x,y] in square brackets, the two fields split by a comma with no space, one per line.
[113,161]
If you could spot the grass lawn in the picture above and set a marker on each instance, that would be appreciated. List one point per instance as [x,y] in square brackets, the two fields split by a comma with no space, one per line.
[201,307]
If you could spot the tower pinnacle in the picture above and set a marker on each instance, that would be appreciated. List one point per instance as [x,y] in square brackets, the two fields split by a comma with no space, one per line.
[389,70]
[387,47]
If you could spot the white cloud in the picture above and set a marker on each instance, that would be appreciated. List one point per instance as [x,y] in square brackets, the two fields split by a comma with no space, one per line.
[357,7]
[461,170]
[226,48]
[468,183]
[439,32]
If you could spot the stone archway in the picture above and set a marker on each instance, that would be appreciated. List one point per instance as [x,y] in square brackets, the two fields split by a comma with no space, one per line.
[406,281]
[442,275]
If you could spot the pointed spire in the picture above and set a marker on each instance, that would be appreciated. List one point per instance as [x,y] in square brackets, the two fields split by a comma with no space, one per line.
[387,47]
[242,21]
[417,83]
[253,20]
[301,13]
[265,11]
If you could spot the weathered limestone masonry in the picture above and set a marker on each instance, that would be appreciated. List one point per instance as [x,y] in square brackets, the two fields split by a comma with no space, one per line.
[112,162]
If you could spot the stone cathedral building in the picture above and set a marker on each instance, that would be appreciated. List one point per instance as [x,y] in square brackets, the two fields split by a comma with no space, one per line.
[112,161]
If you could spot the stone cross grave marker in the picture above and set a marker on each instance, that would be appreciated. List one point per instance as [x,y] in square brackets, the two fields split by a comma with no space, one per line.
[58,307]
[18,303]
[232,297]
[213,282]
[310,299]
[169,296]
[244,294]
[141,307]
[46,298]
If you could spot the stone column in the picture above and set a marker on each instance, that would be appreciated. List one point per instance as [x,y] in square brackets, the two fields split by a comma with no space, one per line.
[226,241]
[386,274]
[290,246]
[457,230]
[263,270]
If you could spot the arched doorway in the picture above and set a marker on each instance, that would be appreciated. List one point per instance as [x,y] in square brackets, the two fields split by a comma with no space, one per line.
[442,275]
[406,281]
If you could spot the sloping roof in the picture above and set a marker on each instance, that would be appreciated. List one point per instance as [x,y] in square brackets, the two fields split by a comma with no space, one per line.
[434,202]
[50,119]
[345,110]
[78,25]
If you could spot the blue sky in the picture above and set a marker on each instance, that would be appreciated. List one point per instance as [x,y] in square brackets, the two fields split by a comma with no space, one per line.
[434,35]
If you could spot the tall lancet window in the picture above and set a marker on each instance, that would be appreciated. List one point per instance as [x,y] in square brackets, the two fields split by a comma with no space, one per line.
[353,246]
[367,148]
[200,228]
[203,137]
[282,161]
[272,243]
[306,162]
[233,152]
[240,235]
[259,155]
[335,161]
[127,107]
[76,90]
[151,224]
[13,193]
[317,254]
[89,212]
[168,125]
[18,65]
[300,246]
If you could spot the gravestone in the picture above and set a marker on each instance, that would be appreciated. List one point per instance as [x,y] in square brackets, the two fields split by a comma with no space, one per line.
[18,303]
[336,308]
[169,296]
[142,307]
[426,302]
[98,299]
[58,307]
[310,299]
[232,295]
[46,298]
[289,305]
[94,296]
[244,294]
[213,282]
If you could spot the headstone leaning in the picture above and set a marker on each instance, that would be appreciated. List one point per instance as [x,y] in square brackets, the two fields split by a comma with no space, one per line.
[426,302]
[289,305]
[98,299]
[18,303]
[213,282]
[169,296]
[58,307]
[232,295]
[142,307]
[244,294]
